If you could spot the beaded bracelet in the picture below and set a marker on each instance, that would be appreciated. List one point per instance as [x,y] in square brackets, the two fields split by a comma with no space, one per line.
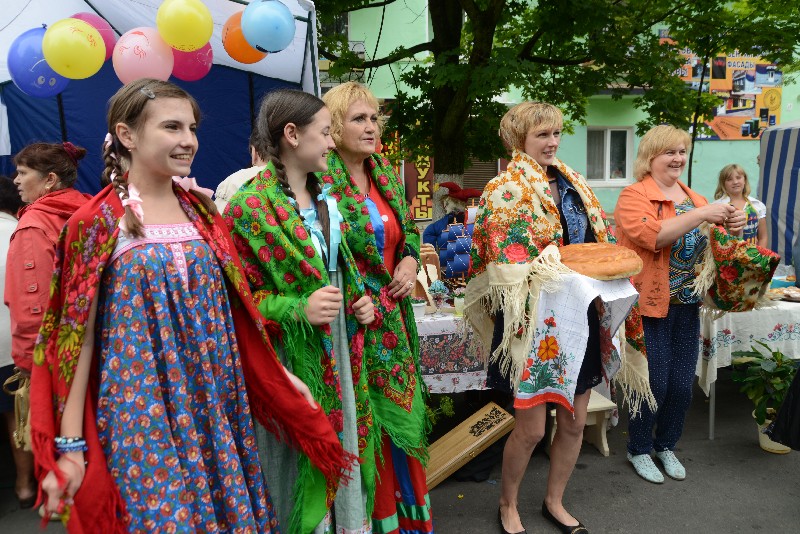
[65,444]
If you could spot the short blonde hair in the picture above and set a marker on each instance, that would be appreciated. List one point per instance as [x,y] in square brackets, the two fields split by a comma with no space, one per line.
[340,98]
[727,172]
[527,116]
[655,142]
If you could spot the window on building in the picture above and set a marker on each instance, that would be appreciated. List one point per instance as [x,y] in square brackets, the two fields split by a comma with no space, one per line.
[478,174]
[609,155]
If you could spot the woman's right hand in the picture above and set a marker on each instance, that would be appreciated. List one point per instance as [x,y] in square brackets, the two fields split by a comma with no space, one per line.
[72,466]
[717,213]
[323,305]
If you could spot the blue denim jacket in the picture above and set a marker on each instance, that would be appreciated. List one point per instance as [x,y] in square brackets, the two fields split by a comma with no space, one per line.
[573,213]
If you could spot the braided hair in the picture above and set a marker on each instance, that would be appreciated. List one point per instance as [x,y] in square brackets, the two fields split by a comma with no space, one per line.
[129,106]
[279,108]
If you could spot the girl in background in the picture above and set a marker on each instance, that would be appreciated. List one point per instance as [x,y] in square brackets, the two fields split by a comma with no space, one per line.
[733,188]
[141,418]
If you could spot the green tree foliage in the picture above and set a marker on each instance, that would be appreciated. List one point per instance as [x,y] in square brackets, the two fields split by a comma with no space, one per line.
[559,51]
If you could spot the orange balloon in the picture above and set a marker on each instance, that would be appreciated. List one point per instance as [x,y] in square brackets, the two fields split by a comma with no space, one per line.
[235,44]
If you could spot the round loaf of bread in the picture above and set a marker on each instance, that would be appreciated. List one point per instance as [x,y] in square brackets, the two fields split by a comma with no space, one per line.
[601,261]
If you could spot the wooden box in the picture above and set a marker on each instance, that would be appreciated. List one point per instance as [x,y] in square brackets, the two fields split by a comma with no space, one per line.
[466,441]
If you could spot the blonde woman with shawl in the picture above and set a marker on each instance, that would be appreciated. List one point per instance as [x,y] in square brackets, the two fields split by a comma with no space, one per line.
[551,338]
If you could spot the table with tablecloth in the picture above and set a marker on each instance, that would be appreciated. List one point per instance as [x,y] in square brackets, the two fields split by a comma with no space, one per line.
[450,356]
[778,326]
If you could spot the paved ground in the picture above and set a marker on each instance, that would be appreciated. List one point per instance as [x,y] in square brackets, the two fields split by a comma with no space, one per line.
[731,485]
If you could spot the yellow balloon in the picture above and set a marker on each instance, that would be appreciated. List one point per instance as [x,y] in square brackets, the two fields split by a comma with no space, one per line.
[185,25]
[73,48]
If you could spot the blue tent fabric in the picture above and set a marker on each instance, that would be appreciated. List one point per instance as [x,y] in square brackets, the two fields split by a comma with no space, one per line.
[228,99]
[778,186]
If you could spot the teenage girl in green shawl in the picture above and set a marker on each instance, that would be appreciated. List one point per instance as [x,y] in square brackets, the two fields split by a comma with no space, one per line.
[287,231]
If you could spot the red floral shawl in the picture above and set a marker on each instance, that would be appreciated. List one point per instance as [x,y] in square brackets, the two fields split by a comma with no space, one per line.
[83,251]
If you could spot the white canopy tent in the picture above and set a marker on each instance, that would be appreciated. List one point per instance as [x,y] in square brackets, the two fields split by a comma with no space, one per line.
[296,64]
[228,95]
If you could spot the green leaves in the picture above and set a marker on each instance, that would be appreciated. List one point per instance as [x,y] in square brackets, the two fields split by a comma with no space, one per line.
[765,378]
[559,51]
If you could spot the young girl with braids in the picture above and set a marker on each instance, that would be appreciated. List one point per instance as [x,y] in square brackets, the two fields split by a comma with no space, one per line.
[142,420]
[286,229]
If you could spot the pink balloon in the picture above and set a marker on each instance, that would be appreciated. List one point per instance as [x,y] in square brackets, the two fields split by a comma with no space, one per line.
[142,53]
[101,25]
[191,66]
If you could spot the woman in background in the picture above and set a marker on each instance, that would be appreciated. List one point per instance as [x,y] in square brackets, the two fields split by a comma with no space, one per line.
[25,486]
[733,188]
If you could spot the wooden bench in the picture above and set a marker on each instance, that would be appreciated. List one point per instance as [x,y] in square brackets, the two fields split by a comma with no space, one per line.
[467,440]
[597,415]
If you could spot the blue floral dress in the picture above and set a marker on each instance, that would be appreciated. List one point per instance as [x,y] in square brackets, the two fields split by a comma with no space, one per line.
[173,415]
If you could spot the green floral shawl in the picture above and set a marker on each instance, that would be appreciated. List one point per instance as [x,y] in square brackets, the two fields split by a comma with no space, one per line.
[283,269]
[389,345]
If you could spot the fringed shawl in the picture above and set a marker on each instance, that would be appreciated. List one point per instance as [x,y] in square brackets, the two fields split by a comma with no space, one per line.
[284,268]
[517,219]
[85,246]
[389,346]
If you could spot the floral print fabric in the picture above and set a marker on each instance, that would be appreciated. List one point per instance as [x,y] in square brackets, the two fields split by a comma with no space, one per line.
[562,331]
[686,253]
[173,416]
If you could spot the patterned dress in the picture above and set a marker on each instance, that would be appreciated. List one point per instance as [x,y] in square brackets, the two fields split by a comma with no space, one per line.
[173,414]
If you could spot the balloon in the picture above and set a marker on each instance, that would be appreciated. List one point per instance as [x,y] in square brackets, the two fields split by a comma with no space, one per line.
[268,25]
[28,68]
[73,48]
[103,28]
[235,44]
[142,53]
[191,66]
[185,25]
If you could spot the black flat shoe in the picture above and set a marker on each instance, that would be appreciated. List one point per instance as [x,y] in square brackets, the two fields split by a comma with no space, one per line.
[502,528]
[27,502]
[565,529]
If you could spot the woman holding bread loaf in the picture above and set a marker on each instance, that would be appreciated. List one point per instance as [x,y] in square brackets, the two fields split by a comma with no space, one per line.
[658,217]
[554,345]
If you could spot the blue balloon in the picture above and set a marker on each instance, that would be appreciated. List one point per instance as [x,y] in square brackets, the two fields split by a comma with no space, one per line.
[29,71]
[268,25]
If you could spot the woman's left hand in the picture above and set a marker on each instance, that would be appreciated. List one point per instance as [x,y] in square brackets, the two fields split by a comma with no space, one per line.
[364,310]
[735,223]
[405,275]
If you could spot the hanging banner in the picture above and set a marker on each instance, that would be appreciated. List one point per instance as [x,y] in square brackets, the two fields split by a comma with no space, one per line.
[750,90]
[418,176]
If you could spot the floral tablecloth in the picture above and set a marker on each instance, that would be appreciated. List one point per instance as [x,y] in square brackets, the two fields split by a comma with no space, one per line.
[452,360]
[777,326]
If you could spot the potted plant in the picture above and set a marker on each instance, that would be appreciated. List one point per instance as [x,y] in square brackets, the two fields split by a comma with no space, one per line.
[418,304]
[438,292]
[458,299]
[765,379]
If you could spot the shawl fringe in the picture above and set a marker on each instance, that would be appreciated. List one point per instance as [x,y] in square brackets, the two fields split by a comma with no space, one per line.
[633,377]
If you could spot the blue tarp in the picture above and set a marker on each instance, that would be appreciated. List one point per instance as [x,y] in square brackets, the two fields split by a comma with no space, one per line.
[228,100]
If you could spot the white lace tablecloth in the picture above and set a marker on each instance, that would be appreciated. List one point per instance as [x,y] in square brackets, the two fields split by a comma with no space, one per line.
[778,327]
[451,362]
